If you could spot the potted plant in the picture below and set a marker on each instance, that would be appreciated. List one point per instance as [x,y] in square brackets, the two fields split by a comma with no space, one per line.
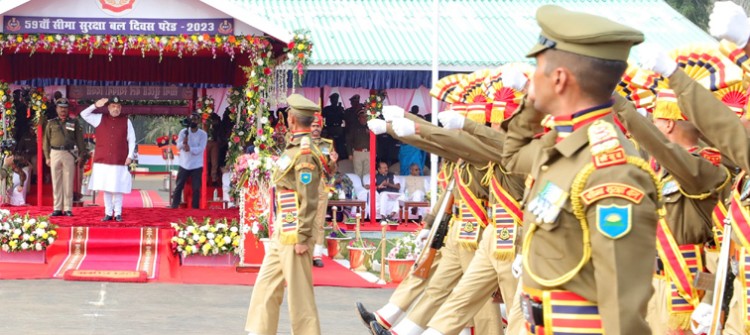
[402,256]
[206,243]
[392,224]
[360,254]
[24,239]
[351,223]
[334,242]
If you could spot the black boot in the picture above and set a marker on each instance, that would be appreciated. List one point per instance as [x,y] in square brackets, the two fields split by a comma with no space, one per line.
[318,263]
[118,218]
[365,315]
[56,213]
[107,218]
[378,329]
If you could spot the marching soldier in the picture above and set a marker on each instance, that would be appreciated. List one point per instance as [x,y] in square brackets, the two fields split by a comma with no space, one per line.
[693,180]
[581,237]
[62,136]
[329,152]
[296,177]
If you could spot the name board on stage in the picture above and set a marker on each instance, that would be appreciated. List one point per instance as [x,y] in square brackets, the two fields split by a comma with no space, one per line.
[115,26]
[131,92]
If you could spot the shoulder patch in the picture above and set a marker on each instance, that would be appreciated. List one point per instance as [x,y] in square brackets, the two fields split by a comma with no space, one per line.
[605,147]
[624,191]
[305,177]
[712,155]
[614,221]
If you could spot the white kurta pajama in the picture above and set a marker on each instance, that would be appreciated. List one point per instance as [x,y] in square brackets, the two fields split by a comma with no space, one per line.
[109,178]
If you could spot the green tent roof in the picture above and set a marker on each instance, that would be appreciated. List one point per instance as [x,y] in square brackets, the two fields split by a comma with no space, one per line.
[396,34]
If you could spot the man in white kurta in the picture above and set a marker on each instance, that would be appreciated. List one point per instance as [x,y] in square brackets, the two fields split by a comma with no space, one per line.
[115,146]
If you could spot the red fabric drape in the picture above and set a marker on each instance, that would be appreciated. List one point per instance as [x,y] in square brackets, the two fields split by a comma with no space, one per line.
[185,70]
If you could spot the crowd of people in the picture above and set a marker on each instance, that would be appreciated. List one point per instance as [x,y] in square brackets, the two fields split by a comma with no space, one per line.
[577,211]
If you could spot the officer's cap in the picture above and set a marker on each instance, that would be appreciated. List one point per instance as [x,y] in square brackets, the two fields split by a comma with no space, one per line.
[583,34]
[62,102]
[115,100]
[354,97]
[302,105]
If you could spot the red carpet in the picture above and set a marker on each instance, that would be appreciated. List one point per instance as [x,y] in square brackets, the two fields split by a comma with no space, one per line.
[132,217]
[111,249]
[137,199]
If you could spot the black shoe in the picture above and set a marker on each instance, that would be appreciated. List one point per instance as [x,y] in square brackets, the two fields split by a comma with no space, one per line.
[56,213]
[118,218]
[107,218]
[378,329]
[68,213]
[318,263]
[366,316]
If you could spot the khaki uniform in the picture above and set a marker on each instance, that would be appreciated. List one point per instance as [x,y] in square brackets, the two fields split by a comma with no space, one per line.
[691,189]
[488,269]
[722,129]
[326,147]
[299,169]
[554,251]
[59,142]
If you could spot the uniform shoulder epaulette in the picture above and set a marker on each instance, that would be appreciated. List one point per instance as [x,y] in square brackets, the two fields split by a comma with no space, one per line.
[606,149]
[304,145]
[326,140]
[713,155]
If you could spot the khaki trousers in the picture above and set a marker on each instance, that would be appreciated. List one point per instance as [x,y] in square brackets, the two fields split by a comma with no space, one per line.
[454,262]
[361,162]
[516,322]
[283,266]
[735,324]
[62,166]
[412,287]
[484,274]
[657,314]
[320,215]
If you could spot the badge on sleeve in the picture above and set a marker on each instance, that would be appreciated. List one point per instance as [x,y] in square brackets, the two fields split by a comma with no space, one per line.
[305,177]
[614,221]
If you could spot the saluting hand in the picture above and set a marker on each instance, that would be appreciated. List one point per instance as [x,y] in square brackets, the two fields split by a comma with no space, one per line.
[100,103]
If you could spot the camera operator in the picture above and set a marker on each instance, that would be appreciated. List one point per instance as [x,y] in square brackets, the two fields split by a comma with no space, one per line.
[19,166]
[62,135]
[191,142]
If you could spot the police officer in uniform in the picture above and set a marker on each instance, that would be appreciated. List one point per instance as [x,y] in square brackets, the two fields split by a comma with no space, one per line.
[288,260]
[329,152]
[581,237]
[62,137]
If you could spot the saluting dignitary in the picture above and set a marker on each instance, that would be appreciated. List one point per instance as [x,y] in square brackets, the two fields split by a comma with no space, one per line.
[584,245]
[329,152]
[288,260]
[62,136]
[115,146]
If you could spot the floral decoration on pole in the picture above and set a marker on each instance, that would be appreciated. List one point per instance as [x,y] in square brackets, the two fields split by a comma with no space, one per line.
[298,52]
[8,112]
[374,104]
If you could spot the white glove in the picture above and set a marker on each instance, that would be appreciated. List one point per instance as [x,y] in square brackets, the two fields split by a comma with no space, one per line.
[701,319]
[517,267]
[391,112]
[514,79]
[654,58]
[377,126]
[451,120]
[403,127]
[423,234]
[729,21]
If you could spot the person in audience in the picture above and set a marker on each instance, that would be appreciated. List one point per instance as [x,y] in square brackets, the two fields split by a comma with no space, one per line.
[386,203]
[414,188]
[358,144]
[19,166]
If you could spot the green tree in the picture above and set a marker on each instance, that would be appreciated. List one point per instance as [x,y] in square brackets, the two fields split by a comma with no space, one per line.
[696,11]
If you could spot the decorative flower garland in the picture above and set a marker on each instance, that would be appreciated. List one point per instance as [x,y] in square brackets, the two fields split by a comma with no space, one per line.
[38,103]
[205,107]
[299,51]
[240,135]
[8,112]
[374,104]
[181,44]
[24,233]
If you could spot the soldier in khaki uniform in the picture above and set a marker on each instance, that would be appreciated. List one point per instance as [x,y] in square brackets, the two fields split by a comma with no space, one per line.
[464,236]
[581,237]
[62,136]
[288,260]
[412,287]
[692,185]
[328,150]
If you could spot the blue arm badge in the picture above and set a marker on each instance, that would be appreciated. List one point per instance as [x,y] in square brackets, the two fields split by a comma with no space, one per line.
[614,221]
[305,177]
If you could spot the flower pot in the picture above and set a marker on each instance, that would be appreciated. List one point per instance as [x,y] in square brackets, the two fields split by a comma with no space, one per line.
[30,256]
[393,226]
[398,269]
[359,258]
[211,260]
[351,226]
[335,245]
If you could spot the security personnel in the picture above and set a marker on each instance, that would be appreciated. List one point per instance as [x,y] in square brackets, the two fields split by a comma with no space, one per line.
[63,136]
[580,236]
[329,152]
[296,179]
[358,144]
[693,180]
